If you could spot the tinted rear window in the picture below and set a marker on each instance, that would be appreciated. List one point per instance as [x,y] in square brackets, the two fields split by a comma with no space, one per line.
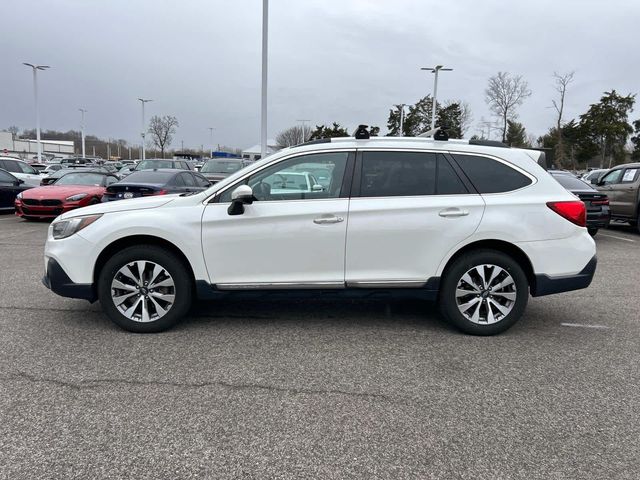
[572,183]
[491,176]
[149,176]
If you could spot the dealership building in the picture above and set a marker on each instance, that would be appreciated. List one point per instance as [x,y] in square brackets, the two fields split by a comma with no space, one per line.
[28,149]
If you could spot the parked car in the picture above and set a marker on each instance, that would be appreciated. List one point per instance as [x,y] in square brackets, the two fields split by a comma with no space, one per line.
[21,170]
[73,190]
[477,227]
[622,186]
[596,203]
[10,187]
[156,182]
[155,163]
[593,176]
[77,161]
[218,168]
[52,168]
[39,167]
[53,177]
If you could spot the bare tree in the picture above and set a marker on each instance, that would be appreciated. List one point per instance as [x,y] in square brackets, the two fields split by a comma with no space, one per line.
[293,136]
[561,83]
[466,117]
[13,130]
[162,130]
[503,94]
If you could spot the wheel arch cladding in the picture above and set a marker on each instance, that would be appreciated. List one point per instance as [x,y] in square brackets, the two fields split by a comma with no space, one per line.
[500,246]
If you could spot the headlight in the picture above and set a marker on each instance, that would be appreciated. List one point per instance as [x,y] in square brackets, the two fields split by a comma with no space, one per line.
[75,198]
[19,195]
[66,228]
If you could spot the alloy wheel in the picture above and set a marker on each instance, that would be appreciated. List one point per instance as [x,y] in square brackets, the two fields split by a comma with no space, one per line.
[486,294]
[143,291]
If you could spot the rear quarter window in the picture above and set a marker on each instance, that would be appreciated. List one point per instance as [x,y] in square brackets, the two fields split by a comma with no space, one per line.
[491,176]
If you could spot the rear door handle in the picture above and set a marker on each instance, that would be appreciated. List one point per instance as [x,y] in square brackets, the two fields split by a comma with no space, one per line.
[453,212]
[325,220]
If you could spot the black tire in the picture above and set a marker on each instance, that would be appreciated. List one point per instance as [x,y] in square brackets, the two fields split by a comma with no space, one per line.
[162,257]
[592,231]
[457,270]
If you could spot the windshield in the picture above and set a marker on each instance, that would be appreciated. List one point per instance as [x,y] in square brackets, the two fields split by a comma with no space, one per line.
[78,178]
[151,164]
[221,166]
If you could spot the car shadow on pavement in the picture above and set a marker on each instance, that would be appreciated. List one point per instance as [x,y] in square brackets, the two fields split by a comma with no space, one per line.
[289,310]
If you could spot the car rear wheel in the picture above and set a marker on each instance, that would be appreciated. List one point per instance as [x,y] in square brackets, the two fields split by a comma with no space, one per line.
[145,289]
[484,292]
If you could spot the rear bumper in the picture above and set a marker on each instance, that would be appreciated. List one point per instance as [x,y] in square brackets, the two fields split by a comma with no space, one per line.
[57,280]
[546,285]
[599,219]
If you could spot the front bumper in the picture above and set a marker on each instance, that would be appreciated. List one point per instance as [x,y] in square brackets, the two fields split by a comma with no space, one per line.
[44,211]
[546,285]
[57,280]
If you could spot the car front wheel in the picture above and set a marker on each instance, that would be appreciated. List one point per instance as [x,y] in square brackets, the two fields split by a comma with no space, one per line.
[145,289]
[484,292]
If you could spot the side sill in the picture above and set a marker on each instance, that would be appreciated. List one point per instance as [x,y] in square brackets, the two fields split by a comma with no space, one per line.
[428,291]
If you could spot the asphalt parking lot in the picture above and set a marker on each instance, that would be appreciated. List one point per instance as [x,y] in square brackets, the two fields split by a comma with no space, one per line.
[283,388]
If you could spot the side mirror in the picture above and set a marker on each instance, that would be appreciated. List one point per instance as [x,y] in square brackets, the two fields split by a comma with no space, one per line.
[241,196]
[317,188]
[18,182]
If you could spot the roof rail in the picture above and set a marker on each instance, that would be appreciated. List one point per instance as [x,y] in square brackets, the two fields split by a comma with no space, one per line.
[314,142]
[488,143]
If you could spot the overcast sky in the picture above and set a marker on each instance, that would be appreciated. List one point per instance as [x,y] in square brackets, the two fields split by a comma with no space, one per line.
[329,60]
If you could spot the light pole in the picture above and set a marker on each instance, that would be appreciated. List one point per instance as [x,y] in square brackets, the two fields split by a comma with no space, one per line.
[143,101]
[490,126]
[265,38]
[402,105]
[82,111]
[211,129]
[304,122]
[434,106]
[35,69]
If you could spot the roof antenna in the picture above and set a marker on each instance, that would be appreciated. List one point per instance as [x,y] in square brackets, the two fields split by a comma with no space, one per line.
[362,133]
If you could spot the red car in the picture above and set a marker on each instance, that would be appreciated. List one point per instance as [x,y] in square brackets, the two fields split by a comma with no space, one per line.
[73,190]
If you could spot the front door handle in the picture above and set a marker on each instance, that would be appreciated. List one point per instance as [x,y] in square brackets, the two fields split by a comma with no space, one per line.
[325,220]
[453,212]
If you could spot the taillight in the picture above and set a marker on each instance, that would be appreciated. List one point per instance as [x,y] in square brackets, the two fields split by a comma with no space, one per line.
[600,202]
[574,211]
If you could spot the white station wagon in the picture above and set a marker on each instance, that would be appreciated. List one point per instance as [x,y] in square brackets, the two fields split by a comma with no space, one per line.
[473,225]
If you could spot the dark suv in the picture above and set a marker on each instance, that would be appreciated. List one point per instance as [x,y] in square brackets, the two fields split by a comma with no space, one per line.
[622,186]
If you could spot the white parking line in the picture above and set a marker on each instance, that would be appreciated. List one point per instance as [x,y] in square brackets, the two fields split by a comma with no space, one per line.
[582,325]
[617,238]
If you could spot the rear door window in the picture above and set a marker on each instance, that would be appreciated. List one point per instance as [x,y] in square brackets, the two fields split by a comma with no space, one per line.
[489,175]
[188,179]
[396,174]
[630,175]
[10,166]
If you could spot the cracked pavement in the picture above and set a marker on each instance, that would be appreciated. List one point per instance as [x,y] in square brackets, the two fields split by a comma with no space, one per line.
[277,387]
